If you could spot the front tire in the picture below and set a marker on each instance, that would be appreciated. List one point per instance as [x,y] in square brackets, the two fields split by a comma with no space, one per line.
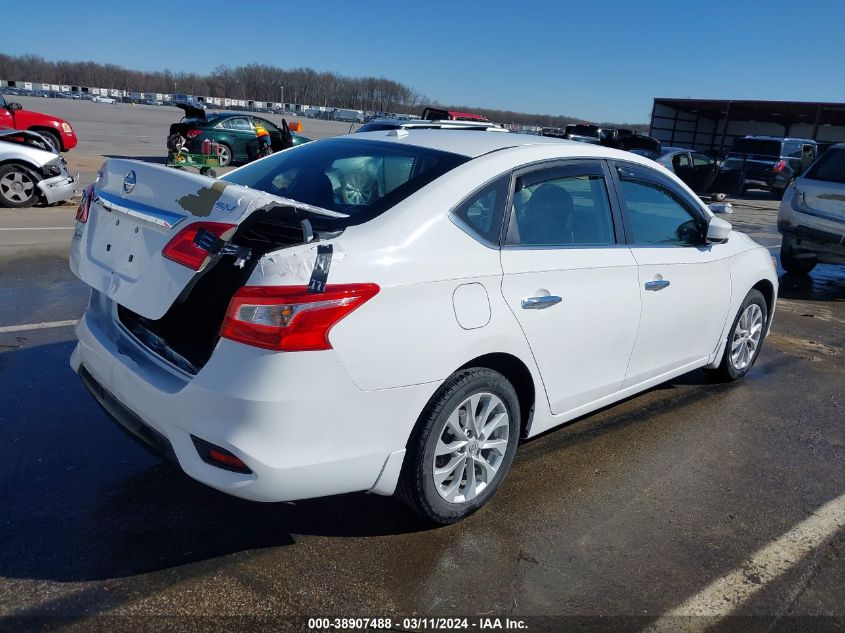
[463,446]
[225,155]
[17,187]
[745,338]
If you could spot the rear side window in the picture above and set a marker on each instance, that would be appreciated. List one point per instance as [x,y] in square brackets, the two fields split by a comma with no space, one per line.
[567,210]
[656,214]
[830,167]
[484,210]
[361,178]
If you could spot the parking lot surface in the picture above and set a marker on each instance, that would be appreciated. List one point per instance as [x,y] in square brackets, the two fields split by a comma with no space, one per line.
[628,512]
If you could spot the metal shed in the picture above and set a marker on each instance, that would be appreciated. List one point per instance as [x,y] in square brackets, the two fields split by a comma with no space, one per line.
[713,124]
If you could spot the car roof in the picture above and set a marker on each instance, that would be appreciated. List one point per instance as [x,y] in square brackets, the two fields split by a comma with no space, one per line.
[779,139]
[473,143]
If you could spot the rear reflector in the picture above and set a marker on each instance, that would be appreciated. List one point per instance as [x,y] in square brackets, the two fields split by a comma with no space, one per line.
[85,204]
[220,457]
[182,248]
[193,133]
[289,318]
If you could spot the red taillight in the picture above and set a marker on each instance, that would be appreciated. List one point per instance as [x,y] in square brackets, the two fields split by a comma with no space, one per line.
[779,167]
[193,133]
[289,318]
[85,204]
[226,458]
[183,250]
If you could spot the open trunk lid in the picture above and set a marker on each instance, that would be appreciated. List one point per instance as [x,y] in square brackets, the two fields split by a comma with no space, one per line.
[136,209]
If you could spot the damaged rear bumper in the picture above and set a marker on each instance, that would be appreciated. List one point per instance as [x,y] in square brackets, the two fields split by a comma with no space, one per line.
[295,419]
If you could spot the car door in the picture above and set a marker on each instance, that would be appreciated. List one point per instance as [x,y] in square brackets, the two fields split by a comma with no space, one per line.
[570,281]
[704,171]
[684,282]
[242,135]
[682,167]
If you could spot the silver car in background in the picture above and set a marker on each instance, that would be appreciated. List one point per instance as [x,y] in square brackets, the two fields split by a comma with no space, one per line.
[32,171]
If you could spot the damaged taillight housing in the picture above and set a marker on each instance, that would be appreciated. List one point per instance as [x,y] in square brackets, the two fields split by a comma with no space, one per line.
[183,249]
[85,204]
[290,318]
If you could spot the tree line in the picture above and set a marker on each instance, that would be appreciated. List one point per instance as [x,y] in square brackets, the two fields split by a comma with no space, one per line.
[258,82]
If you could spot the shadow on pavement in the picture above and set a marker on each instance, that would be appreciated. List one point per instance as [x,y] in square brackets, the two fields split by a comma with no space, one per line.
[83,502]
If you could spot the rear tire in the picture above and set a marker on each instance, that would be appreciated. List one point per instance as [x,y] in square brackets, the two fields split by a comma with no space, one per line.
[225,155]
[17,187]
[745,338]
[463,446]
[793,264]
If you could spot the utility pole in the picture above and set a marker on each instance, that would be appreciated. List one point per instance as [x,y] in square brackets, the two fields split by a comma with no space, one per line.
[282,96]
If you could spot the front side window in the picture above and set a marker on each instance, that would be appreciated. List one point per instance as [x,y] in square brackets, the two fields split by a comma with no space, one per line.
[265,124]
[568,210]
[656,214]
[360,178]
[484,210]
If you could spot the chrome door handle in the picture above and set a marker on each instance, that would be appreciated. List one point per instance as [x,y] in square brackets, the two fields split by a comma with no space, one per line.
[540,303]
[657,284]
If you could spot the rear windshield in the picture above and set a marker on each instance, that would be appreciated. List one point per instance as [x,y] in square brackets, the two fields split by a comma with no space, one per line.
[583,130]
[359,178]
[757,146]
[829,168]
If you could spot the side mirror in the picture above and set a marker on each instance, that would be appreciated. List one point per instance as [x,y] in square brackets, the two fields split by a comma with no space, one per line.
[14,105]
[718,230]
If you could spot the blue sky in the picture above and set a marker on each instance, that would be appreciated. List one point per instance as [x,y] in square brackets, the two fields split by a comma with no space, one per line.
[595,60]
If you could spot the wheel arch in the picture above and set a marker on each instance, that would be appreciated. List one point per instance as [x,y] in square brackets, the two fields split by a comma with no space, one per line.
[53,131]
[767,289]
[518,374]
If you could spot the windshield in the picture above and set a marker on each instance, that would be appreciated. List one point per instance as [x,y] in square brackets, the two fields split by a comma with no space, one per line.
[830,167]
[361,179]
[757,146]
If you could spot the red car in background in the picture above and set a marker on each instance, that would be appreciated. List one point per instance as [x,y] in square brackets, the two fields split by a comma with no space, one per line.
[57,131]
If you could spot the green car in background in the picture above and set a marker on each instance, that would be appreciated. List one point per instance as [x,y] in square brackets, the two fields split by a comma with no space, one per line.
[234,132]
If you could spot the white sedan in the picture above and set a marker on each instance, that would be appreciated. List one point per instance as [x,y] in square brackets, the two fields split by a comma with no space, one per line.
[280,340]
[104,99]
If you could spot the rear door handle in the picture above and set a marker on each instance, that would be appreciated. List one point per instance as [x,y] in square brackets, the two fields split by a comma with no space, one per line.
[657,284]
[541,302]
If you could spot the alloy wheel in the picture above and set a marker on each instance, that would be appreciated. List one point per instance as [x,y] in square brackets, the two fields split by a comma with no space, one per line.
[471,448]
[16,187]
[746,337]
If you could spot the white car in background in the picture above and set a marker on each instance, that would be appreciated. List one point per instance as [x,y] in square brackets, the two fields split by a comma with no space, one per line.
[279,341]
[812,215]
[32,171]
[103,99]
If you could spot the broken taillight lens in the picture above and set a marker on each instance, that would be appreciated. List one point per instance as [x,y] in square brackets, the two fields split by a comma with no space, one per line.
[84,204]
[779,166]
[182,248]
[289,318]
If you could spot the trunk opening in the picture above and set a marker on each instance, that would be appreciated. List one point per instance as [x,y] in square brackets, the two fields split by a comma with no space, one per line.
[188,333]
